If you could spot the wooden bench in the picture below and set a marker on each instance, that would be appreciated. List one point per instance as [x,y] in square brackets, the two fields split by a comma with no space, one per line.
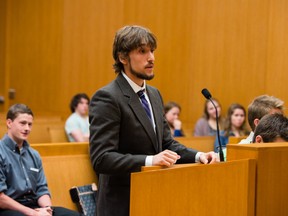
[47,131]
[188,132]
[3,130]
[235,140]
[42,132]
[65,165]
[200,143]
[2,117]
[57,134]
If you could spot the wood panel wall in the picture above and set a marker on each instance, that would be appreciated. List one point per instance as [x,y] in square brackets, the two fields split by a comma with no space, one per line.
[237,49]
[2,50]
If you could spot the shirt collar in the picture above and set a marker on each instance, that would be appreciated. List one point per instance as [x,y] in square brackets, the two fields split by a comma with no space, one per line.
[12,144]
[136,88]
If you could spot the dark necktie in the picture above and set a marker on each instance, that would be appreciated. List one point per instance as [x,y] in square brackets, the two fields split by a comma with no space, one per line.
[144,103]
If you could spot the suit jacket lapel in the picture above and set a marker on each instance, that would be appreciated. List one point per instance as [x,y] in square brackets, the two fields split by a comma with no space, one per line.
[158,114]
[136,106]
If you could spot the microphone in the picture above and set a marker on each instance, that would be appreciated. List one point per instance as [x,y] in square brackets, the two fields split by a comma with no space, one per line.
[208,96]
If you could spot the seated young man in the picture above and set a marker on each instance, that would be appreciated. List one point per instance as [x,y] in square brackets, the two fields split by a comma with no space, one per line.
[271,128]
[23,185]
[77,124]
[259,107]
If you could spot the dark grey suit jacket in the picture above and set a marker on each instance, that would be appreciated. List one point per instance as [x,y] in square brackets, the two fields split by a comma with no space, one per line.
[121,137]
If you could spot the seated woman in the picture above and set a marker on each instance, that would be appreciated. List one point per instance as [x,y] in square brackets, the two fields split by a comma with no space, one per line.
[172,111]
[234,125]
[77,125]
[206,126]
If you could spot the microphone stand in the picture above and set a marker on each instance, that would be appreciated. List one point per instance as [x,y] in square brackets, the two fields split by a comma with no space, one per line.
[221,155]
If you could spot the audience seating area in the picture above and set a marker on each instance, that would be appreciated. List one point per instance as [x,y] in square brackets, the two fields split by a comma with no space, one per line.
[68,164]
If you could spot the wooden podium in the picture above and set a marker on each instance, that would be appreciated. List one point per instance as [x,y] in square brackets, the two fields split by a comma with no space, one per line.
[226,188]
[271,175]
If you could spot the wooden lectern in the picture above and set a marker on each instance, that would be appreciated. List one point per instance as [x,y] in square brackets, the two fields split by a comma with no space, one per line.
[226,188]
[271,175]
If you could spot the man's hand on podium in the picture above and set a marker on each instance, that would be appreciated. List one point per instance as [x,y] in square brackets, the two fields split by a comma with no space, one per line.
[209,157]
[165,158]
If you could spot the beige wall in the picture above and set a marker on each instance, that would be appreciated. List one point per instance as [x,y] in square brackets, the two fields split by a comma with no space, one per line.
[237,49]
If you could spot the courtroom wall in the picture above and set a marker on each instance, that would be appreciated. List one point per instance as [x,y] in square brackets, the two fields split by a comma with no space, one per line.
[237,49]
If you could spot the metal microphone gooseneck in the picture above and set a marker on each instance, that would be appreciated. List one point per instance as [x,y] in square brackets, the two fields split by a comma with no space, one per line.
[208,96]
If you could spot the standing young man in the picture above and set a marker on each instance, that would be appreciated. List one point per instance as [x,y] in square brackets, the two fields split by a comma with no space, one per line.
[123,134]
[23,186]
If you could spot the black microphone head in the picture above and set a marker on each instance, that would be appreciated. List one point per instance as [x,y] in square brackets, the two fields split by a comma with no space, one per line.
[206,93]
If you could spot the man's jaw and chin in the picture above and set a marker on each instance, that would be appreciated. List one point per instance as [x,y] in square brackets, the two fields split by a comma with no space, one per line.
[141,75]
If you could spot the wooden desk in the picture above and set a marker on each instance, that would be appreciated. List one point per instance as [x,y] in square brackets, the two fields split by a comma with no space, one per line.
[271,175]
[195,189]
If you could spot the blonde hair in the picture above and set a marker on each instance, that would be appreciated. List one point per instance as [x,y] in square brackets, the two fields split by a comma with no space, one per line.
[261,106]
